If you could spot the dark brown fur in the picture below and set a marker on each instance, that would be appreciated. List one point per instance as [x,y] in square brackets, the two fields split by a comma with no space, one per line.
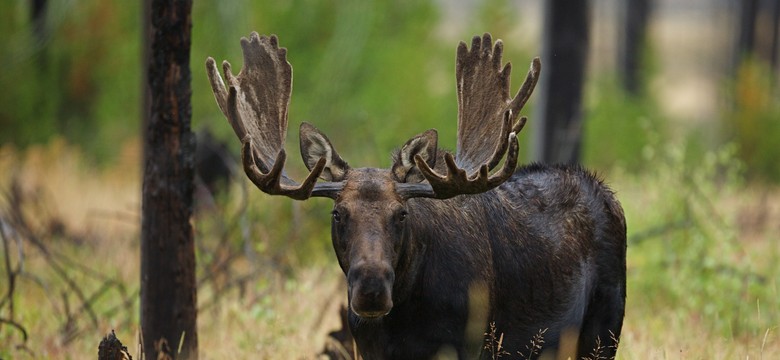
[548,246]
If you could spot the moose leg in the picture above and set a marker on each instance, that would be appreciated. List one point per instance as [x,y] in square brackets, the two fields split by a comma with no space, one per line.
[600,330]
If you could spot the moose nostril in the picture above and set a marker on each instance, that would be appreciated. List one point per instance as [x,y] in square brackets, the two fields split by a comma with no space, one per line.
[370,290]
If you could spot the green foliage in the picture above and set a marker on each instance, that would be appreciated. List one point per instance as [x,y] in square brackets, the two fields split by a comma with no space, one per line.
[617,127]
[363,66]
[753,122]
[364,71]
[80,78]
[685,255]
[371,74]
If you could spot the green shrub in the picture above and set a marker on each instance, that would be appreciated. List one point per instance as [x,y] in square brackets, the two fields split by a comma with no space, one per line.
[685,255]
[753,122]
[618,127]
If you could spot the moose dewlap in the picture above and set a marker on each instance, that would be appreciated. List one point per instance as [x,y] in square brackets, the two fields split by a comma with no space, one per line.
[537,255]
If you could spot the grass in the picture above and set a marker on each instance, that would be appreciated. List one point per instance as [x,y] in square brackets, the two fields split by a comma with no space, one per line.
[702,262]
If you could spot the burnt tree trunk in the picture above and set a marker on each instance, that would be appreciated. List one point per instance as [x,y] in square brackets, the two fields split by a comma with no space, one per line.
[38,18]
[748,12]
[631,43]
[168,292]
[775,36]
[758,34]
[558,131]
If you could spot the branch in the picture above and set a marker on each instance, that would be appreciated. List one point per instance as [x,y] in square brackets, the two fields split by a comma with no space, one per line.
[16,326]
[11,273]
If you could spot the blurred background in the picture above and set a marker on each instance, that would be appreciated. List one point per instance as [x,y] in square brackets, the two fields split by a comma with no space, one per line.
[679,113]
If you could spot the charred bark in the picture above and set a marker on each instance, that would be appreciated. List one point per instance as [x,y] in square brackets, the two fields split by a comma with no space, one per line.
[632,42]
[38,18]
[748,13]
[168,287]
[111,348]
[558,131]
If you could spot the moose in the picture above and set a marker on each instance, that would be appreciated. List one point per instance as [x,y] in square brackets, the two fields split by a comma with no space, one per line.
[448,253]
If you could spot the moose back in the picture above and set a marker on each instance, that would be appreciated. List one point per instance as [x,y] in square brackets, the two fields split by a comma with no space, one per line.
[448,252]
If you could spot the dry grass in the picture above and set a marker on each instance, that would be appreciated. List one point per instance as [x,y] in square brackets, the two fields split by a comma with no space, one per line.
[287,317]
[290,316]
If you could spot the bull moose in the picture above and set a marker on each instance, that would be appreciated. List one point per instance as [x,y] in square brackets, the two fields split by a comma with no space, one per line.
[443,250]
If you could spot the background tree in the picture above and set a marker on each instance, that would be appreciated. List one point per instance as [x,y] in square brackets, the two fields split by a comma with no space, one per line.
[758,32]
[752,118]
[558,120]
[168,287]
[748,11]
[633,18]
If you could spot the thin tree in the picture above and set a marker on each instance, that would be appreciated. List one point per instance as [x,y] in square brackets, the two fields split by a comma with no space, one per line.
[168,288]
[558,122]
[745,45]
[632,37]
[758,34]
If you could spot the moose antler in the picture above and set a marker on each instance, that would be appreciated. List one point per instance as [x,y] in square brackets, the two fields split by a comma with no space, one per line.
[483,97]
[255,103]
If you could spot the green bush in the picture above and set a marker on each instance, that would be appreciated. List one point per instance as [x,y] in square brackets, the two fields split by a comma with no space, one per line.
[618,127]
[685,254]
[753,122]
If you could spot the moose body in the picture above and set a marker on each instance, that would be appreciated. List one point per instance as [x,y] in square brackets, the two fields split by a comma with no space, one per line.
[547,248]
[440,252]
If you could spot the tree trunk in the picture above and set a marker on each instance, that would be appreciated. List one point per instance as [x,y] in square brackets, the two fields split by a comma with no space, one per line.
[38,18]
[631,43]
[748,12]
[774,46]
[558,131]
[168,289]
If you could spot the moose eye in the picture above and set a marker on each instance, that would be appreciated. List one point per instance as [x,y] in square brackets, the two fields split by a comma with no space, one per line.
[402,216]
[336,216]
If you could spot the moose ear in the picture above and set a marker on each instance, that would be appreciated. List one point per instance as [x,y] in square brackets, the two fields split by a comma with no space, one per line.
[314,146]
[404,168]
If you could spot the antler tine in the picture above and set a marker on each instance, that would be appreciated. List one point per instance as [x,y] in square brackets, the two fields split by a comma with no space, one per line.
[519,101]
[505,131]
[498,153]
[457,181]
[255,102]
[524,93]
[270,183]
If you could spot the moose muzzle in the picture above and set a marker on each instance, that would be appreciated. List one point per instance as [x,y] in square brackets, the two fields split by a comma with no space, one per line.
[370,289]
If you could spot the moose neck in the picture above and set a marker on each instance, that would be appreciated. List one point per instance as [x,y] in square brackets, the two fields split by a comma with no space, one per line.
[435,230]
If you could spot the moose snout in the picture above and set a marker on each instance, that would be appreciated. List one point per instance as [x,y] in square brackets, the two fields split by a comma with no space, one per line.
[371,290]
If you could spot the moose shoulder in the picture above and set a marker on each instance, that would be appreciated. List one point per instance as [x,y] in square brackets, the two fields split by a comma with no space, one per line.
[441,249]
